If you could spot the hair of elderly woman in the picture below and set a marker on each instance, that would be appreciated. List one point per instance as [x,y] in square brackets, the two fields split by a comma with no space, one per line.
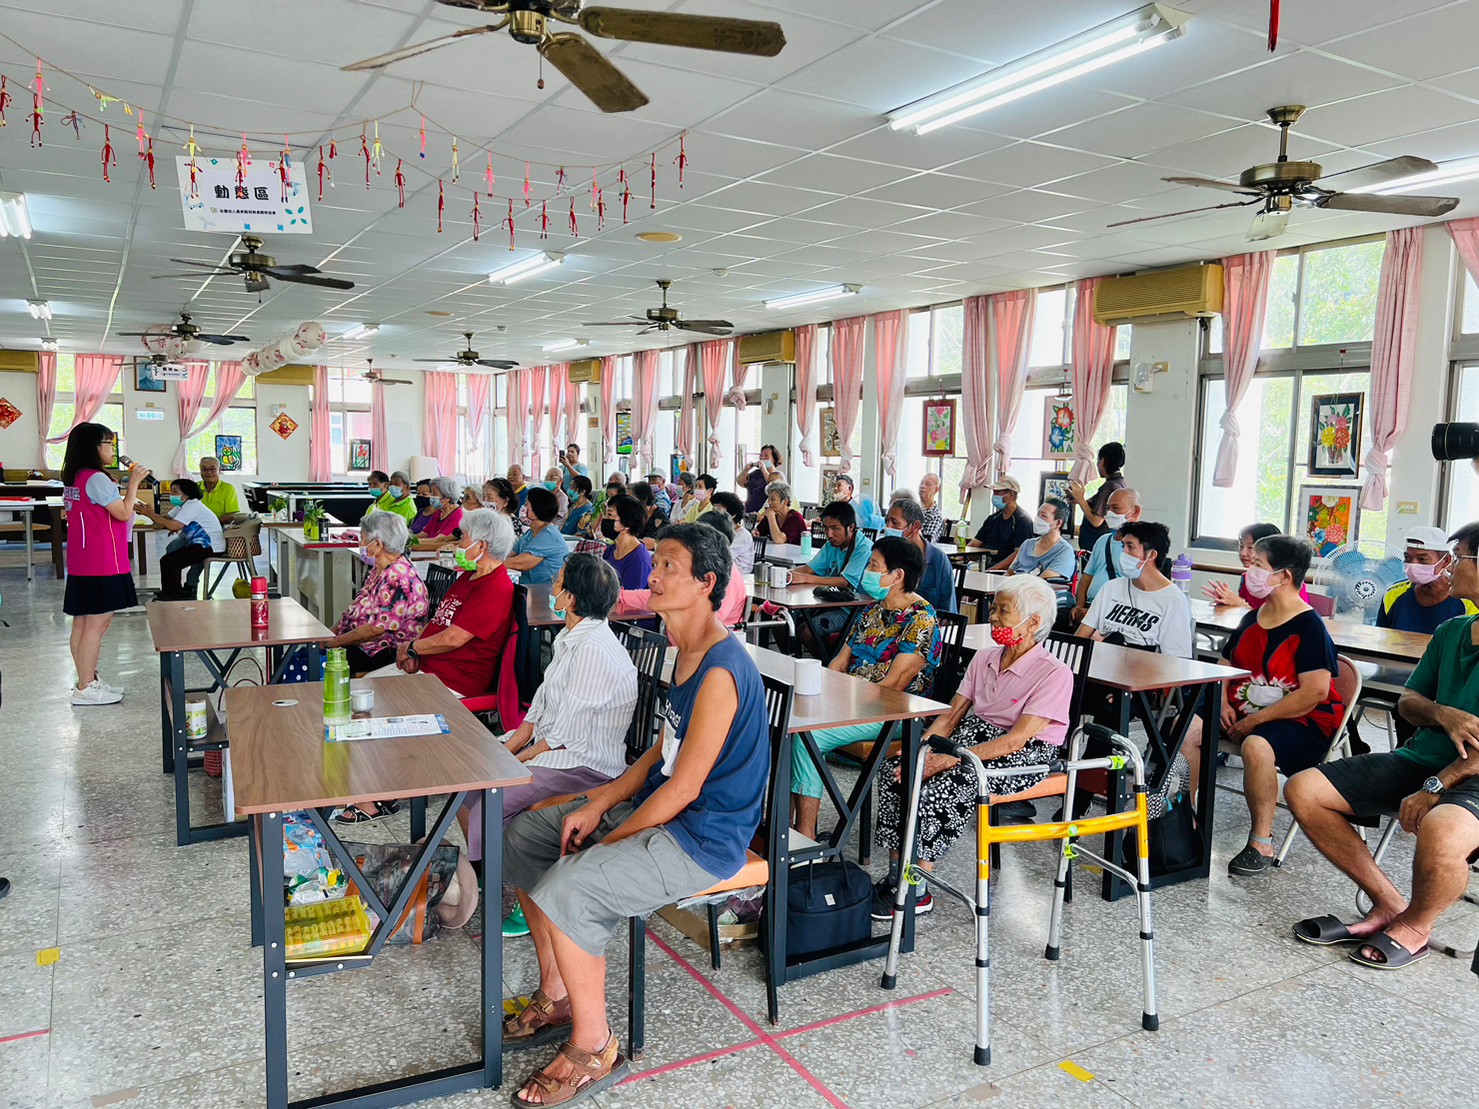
[779,489]
[448,488]
[487,525]
[401,478]
[629,511]
[503,489]
[898,553]
[903,494]
[594,585]
[542,503]
[1033,597]
[1287,552]
[186,487]
[709,552]
[388,527]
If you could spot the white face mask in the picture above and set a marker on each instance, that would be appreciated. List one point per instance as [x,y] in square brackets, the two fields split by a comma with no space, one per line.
[1115,520]
[1040,526]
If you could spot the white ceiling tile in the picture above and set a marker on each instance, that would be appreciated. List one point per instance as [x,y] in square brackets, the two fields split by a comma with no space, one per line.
[1428,44]
[825,171]
[1137,130]
[1389,115]
[1301,77]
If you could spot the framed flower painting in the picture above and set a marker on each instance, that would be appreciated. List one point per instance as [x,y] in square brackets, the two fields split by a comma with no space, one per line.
[1335,435]
[939,428]
[1060,425]
[1330,518]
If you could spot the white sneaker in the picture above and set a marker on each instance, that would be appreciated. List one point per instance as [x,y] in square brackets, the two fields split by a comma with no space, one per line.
[118,689]
[96,693]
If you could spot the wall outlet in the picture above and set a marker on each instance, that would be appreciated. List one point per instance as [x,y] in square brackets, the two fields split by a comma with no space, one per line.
[1407,508]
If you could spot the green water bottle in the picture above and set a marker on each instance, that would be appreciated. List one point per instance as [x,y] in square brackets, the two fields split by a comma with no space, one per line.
[336,687]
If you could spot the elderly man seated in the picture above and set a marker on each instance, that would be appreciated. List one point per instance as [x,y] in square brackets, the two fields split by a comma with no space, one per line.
[1431,785]
[391,607]
[908,520]
[217,495]
[399,497]
[1011,709]
[1107,558]
[675,823]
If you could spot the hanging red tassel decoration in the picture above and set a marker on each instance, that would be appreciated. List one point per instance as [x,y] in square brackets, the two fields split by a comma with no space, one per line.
[149,161]
[595,188]
[322,172]
[600,209]
[36,108]
[71,119]
[544,219]
[527,187]
[192,148]
[441,203]
[1273,25]
[285,169]
[574,227]
[626,193]
[477,226]
[364,149]
[456,164]
[681,161]
[141,136]
[243,159]
[400,182]
[333,151]
[508,221]
[490,174]
[560,180]
[108,157]
[423,136]
[5,98]
[654,181]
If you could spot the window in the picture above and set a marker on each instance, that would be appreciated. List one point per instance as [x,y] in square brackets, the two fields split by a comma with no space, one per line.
[1462,504]
[1469,316]
[349,416]
[1320,296]
[239,418]
[473,456]
[65,408]
[1028,462]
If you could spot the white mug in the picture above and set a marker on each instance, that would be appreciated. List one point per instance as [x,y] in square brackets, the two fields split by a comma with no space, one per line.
[780,577]
[806,677]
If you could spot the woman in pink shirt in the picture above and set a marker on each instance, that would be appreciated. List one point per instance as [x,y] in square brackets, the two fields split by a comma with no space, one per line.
[732,608]
[1219,593]
[445,516]
[99,524]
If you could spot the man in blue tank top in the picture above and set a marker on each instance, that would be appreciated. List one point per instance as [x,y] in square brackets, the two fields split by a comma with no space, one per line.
[677,822]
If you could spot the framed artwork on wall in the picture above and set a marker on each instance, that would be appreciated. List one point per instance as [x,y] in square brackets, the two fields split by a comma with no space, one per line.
[228,451]
[829,483]
[623,433]
[1056,485]
[1335,435]
[1060,427]
[1329,515]
[147,378]
[939,428]
[359,454]
[677,464]
[831,442]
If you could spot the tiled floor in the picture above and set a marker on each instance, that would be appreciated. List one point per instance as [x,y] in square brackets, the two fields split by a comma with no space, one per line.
[153,997]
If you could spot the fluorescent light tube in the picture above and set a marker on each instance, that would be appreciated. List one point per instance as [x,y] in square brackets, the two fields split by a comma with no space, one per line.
[1453,172]
[1111,42]
[360,331]
[526,267]
[40,309]
[15,219]
[832,292]
[565,344]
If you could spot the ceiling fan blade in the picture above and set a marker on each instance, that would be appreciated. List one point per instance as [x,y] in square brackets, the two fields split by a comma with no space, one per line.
[286,273]
[1187,212]
[699,32]
[438,361]
[315,279]
[380,61]
[1379,172]
[197,274]
[617,323]
[196,262]
[587,69]
[1390,205]
[221,340]
[1209,183]
[497,363]
[705,323]
[1268,225]
[393,381]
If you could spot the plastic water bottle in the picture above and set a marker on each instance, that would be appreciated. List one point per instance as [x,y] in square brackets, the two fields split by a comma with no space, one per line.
[806,543]
[1181,573]
[337,707]
[259,604]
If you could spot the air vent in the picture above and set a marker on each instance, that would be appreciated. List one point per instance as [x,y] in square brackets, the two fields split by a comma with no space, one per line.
[587,370]
[772,346]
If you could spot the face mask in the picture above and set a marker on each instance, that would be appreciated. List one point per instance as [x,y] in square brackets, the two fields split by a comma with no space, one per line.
[552,485]
[463,561]
[1418,574]
[1134,570]
[1114,520]
[608,529]
[559,612]
[1040,526]
[701,494]
[397,492]
[435,502]
[1004,636]
[895,533]
[998,503]
[1257,580]
[365,556]
[873,585]
[176,499]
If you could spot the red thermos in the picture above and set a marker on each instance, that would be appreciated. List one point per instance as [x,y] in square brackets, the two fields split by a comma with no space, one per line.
[259,603]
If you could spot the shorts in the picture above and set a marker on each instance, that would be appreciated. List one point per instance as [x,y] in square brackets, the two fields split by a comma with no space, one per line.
[1375,785]
[590,894]
[1298,744]
[98,594]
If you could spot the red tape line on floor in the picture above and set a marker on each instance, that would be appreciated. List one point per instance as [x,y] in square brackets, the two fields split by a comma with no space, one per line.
[24,1036]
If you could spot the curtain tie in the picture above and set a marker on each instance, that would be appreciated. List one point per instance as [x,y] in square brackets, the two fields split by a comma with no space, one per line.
[735,397]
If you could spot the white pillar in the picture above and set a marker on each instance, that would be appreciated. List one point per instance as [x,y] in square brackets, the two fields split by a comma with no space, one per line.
[1161,426]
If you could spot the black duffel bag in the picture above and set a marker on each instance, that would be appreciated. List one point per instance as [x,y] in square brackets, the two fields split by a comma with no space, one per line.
[828,905]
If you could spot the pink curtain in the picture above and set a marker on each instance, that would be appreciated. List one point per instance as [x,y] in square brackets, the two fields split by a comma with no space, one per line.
[846,356]
[320,458]
[439,429]
[684,444]
[644,404]
[559,425]
[229,379]
[891,339]
[45,403]
[1465,235]
[188,397]
[1009,316]
[479,386]
[1392,350]
[806,388]
[608,410]
[574,425]
[379,433]
[96,376]
[518,417]
[714,360]
[975,396]
[1090,373]
[534,398]
[739,373]
[1245,279]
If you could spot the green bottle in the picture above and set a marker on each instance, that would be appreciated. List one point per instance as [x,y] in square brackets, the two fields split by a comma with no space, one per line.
[336,687]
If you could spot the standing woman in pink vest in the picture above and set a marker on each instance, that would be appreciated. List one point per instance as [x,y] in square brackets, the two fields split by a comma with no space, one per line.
[99,582]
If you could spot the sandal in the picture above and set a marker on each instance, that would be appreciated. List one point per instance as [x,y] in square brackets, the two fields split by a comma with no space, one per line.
[1393,955]
[552,1022]
[1250,861]
[594,1072]
[1324,931]
[357,814]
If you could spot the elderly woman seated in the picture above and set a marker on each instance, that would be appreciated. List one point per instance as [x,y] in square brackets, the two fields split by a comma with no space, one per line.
[573,738]
[391,606]
[895,644]
[1011,709]
[736,597]
[445,515]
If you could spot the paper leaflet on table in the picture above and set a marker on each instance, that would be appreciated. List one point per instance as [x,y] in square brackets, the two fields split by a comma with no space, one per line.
[388,727]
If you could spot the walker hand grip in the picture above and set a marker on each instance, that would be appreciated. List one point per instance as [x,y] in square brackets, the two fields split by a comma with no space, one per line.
[944,745]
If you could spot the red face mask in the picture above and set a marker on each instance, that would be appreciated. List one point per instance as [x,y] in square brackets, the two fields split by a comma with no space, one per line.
[1004,636]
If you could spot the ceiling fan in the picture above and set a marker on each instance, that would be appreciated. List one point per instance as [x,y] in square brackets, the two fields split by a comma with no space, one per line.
[378,376]
[585,68]
[187,331]
[256,268]
[469,357]
[164,361]
[666,319]
[1280,186]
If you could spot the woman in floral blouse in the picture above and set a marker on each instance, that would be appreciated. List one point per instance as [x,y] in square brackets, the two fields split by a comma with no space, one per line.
[894,643]
[391,607]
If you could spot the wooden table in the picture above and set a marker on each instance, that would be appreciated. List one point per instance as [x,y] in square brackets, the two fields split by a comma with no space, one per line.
[204,628]
[802,600]
[1350,638]
[786,554]
[27,507]
[318,573]
[1131,676]
[283,764]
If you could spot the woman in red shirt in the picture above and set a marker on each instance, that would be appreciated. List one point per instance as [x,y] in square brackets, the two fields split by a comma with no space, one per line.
[445,516]
[779,522]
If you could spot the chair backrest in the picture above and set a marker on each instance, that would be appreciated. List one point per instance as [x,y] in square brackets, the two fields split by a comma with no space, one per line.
[243,537]
[648,650]
[952,641]
[526,655]
[439,580]
[778,696]
[1076,651]
[1322,603]
[1348,683]
[760,542]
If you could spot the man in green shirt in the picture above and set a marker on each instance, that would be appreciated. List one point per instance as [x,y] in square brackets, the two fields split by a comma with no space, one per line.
[1431,785]
[217,495]
[399,497]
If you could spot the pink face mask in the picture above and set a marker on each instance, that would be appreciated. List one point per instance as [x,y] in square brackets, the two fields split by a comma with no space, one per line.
[1419,574]
[1257,580]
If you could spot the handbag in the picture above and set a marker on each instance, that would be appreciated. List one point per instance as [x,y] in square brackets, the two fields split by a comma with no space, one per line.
[1175,840]
[829,907]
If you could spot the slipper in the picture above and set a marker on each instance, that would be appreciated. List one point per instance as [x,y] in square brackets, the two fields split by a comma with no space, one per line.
[1325,931]
[551,1023]
[1394,955]
[358,814]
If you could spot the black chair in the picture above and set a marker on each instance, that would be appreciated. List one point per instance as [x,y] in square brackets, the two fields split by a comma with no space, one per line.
[649,651]
[1076,652]
[756,871]
[439,579]
[760,542]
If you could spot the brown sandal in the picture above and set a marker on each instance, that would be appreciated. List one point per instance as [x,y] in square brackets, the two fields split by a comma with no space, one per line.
[594,1073]
[552,1022]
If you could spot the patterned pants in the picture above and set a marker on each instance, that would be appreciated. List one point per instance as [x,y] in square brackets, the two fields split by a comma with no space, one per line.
[947,803]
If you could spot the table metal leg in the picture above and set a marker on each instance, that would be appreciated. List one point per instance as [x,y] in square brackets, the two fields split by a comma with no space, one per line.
[181,740]
[492,938]
[30,540]
[274,960]
[254,872]
[167,734]
[418,822]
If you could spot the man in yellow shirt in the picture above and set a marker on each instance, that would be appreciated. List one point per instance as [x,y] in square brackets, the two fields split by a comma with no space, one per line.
[399,497]
[217,495]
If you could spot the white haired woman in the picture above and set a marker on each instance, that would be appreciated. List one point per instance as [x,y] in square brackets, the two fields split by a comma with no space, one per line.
[1011,709]
[391,607]
[445,515]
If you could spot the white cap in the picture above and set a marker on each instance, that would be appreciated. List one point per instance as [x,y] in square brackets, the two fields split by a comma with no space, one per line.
[1427,539]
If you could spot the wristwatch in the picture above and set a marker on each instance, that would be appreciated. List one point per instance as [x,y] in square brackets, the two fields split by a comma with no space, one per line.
[1433,785]
[412,653]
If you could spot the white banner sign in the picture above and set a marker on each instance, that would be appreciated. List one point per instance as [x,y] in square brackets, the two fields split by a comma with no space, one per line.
[256,205]
[172,371]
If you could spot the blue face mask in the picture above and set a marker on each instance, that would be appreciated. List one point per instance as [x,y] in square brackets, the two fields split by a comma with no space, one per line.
[435,502]
[559,612]
[176,499]
[873,585]
[1132,570]
[894,533]
[998,503]
[552,485]
[397,492]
